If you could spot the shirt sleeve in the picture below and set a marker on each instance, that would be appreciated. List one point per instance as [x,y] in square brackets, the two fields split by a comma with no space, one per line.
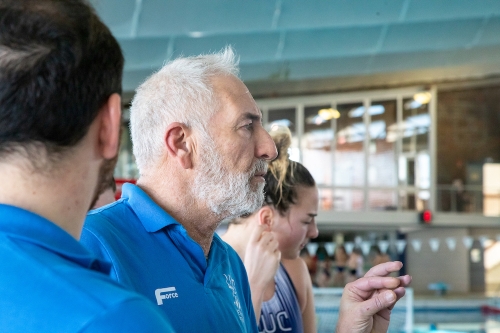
[134,315]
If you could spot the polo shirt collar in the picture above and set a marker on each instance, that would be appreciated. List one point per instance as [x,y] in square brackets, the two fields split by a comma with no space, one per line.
[26,226]
[152,216]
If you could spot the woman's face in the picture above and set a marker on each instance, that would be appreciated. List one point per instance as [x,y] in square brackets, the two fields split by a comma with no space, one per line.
[297,226]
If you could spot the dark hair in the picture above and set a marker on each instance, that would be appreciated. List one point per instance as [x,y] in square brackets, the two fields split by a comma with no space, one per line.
[284,175]
[58,65]
[111,183]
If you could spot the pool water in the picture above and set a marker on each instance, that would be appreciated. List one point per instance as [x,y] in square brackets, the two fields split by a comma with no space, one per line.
[457,321]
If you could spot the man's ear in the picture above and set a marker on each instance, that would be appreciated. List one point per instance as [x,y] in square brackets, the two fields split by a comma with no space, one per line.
[266,217]
[109,130]
[178,144]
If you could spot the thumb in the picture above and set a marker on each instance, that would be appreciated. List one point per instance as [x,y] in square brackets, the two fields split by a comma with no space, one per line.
[379,302]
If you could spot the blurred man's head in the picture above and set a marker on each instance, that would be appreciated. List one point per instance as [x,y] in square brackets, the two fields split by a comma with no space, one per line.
[228,145]
[59,66]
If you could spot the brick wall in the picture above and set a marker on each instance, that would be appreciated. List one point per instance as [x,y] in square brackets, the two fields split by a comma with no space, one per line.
[468,130]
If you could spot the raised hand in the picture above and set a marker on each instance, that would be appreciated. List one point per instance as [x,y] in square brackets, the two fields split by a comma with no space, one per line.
[366,303]
[261,261]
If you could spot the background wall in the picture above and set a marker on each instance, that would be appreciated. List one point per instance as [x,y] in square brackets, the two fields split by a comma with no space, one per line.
[444,265]
[468,131]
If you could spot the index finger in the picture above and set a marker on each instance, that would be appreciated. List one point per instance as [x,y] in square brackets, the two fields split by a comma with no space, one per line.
[384,269]
[370,284]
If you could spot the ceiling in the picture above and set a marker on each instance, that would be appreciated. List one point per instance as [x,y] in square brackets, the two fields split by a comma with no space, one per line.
[292,40]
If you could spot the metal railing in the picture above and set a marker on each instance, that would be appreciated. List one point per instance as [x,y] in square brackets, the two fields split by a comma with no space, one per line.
[473,199]
[464,199]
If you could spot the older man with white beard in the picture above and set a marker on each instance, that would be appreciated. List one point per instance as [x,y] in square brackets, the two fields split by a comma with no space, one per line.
[202,155]
[201,151]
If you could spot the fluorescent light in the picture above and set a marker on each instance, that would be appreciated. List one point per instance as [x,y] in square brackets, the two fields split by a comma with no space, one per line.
[328,114]
[423,97]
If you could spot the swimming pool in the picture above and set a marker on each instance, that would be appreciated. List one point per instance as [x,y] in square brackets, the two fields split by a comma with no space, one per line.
[455,320]
[420,315]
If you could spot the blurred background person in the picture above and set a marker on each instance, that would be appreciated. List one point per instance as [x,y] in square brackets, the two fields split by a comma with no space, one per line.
[355,265]
[323,276]
[340,257]
[379,257]
[310,263]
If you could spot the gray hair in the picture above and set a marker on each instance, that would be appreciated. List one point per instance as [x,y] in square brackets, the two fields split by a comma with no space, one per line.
[181,91]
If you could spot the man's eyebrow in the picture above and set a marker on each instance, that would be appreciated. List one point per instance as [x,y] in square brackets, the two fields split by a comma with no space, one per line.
[252,116]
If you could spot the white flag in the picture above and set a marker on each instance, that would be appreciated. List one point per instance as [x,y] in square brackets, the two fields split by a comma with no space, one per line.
[434,244]
[417,244]
[312,247]
[452,243]
[483,240]
[383,246]
[400,245]
[468,240]
[330,248]
[348,247]
[365,247]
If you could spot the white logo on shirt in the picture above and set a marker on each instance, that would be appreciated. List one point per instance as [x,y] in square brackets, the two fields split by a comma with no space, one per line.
[165,293]
[268,318]
[232,286]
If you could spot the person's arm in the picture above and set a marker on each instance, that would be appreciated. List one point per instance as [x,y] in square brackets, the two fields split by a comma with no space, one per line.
[366,303]
[261,262]
[299,274]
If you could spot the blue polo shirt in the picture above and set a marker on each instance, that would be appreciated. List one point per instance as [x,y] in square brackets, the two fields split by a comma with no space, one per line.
[153,254]
[50,283]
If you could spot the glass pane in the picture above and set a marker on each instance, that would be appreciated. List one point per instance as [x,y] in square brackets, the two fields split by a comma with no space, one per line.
[383,200]
[407,200]
[326,198]
[416,125]
[286,117]
[349,153]
[382,160]
[423,170]
[406,170]
[459,198]
[348,200]
[317,143]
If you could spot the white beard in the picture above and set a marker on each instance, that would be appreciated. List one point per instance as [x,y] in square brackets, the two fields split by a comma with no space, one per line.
[227,194]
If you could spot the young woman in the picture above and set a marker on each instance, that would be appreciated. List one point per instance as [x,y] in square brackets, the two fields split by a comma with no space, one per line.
[269,242]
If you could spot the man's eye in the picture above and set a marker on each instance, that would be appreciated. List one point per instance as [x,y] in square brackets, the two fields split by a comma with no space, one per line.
[248,126]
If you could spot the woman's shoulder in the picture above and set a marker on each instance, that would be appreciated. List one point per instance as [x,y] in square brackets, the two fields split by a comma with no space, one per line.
[299,274]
